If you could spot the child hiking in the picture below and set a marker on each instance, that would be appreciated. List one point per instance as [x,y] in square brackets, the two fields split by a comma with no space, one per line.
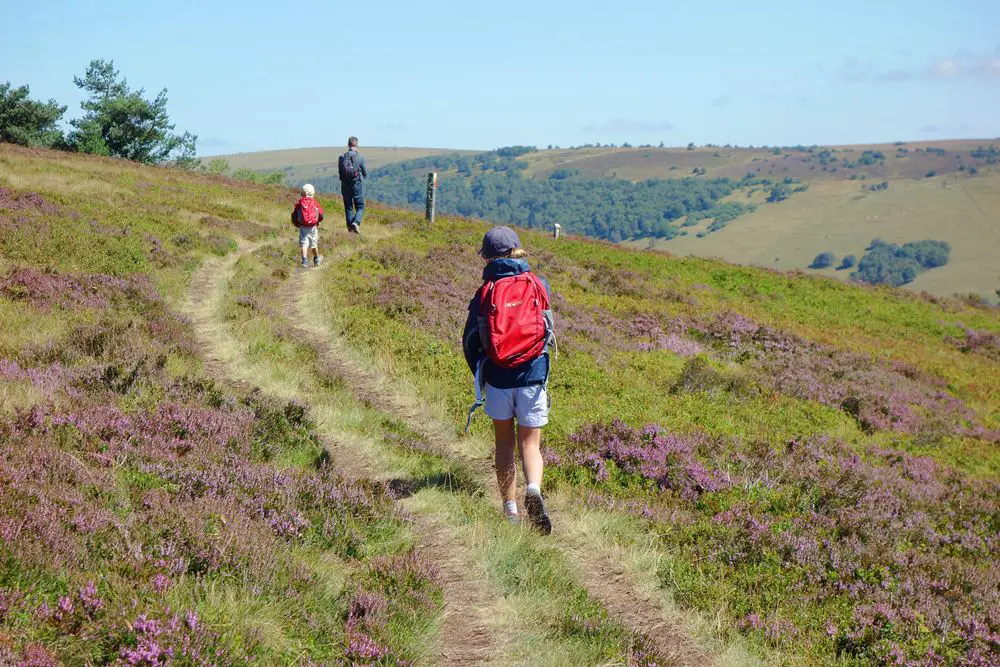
[506,343]
[306,217]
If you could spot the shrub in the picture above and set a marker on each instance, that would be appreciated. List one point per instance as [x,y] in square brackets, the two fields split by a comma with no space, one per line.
[563,174]
[848,262]
[778,193]
[823,260]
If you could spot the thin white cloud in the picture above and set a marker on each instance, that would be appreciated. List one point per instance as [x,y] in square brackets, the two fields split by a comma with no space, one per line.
[965,66]
[721,100]
[931,129]
[946,68]
[625,126]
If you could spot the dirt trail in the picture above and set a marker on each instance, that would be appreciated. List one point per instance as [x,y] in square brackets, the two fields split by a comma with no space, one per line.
[466,637]
[601,573]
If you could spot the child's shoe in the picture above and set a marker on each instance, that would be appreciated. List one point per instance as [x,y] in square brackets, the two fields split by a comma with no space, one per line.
[537,514]
[510,512]
[305,263]
[318,260]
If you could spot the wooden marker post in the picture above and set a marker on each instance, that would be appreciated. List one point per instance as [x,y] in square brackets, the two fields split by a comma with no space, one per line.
[555,230]
[432,183]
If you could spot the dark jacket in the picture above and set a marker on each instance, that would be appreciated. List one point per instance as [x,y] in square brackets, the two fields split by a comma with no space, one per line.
[359,159]
[527,374]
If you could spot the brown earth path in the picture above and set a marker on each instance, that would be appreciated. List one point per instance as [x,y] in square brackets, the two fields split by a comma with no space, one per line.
[633,603]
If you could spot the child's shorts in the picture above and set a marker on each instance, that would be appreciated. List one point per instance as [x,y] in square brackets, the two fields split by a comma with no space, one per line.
[529,404]
[309,236]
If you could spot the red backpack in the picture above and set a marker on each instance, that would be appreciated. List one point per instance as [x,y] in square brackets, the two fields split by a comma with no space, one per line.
[512,320]
[307,212]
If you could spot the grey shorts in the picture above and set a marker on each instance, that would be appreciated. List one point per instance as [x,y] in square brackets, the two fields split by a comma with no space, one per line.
[529,404]
[309,236]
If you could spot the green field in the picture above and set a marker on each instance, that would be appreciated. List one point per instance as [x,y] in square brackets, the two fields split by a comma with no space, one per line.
[838,216]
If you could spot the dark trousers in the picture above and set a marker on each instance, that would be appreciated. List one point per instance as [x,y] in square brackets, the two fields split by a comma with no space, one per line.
[354,202]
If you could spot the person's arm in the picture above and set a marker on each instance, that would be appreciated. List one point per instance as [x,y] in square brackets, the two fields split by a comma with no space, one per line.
[362,165]
[471,344]
[320,207]
[550,320]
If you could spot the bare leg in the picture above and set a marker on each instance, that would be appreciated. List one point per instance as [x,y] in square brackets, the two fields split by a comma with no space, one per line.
[530,443]
[305,252]
[504,458]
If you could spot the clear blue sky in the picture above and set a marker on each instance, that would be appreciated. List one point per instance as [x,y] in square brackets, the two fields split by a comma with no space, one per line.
[252,75]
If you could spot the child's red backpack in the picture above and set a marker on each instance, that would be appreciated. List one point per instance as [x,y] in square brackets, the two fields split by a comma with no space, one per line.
[306,212]
[513,323]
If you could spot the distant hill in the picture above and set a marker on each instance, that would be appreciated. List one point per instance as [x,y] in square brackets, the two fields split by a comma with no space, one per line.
[822,198]
[303,164]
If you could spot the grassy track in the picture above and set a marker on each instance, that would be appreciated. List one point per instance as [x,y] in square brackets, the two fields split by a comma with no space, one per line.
[508,596]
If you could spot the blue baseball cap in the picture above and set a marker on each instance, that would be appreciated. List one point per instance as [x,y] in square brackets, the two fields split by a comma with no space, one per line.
[498,242]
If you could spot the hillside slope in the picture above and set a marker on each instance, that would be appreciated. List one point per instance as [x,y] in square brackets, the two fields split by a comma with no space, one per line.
[831,199]
[209,451]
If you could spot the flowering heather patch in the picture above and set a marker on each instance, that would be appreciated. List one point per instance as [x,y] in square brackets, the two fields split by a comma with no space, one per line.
[588,328]
[985,343]
[46,290]
[49,380]
[166,497]
[881,396]
[434,299]
[647,328]
[872,555]
[25,201]
[666,460]
[413,586]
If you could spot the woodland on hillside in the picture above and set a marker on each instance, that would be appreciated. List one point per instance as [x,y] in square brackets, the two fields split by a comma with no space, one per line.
[490,185]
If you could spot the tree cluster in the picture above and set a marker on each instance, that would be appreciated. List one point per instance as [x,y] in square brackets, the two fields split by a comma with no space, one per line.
[489,186]
[890,264]
[117,120]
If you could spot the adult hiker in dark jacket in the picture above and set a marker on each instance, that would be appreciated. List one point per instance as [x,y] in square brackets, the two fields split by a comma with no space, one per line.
[512,393]
[353,170]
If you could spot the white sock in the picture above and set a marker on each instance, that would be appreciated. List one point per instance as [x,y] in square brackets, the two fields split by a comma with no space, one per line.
[510,506]
[535,489]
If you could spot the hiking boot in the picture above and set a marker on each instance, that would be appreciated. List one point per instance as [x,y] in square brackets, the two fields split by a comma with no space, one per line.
[318,260]
[305,263]
[537,514]
[354,227]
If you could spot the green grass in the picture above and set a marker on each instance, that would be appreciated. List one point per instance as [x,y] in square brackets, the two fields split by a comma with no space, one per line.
[596,383]
[533,580]
[135,355]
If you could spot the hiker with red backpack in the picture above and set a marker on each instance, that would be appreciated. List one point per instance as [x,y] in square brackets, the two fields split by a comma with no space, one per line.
[306,216]
[507,342]
[353,170]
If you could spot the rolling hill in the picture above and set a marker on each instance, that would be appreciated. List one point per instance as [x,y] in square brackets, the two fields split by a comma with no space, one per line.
[304,164]
[210,455]
[837,199]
